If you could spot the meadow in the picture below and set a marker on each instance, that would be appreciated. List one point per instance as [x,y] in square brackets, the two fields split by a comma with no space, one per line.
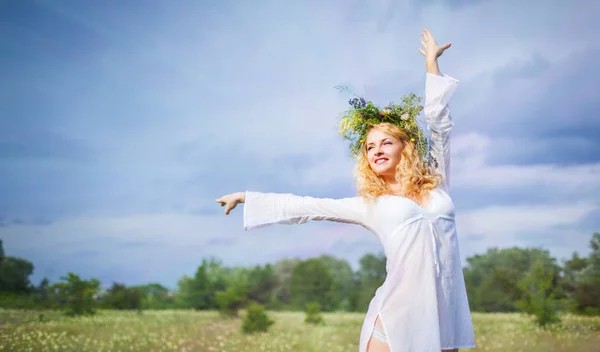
[206,331]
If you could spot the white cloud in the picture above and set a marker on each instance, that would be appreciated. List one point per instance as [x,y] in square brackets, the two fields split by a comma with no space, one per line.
[570,195]
[501,225]
[470,171]
[554,228]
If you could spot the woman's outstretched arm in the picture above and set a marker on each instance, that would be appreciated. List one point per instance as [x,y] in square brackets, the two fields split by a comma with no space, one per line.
[262,209]
[439,89]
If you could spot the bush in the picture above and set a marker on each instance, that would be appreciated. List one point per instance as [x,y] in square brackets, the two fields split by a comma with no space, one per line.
[229,302]
[539,298]
[256,319]
[77,295]
[16,301]
[313,313]
[121,297]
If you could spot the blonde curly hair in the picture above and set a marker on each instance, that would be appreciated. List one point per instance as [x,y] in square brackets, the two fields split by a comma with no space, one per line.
[416,177]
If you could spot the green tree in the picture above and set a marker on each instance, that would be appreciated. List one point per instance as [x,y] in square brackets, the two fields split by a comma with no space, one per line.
[156,296]
[571,268]
[492,278]
[182,293]
[121,297]
[199,292]
[282,271]
[1,252]
[343,281]
[586,293]
[77,295]
[370,276]
[235,296]
[312,281]
[232,299]
[539,294]
[44,293]
[16,290]
[261,283]
[14,275]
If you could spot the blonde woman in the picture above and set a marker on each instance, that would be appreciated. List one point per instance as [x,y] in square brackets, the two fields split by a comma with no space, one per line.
[403,198]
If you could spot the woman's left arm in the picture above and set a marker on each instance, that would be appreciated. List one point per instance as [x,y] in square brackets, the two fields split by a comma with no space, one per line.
[439,89]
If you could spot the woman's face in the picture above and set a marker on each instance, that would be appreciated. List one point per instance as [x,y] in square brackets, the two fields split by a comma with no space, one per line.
[383,153]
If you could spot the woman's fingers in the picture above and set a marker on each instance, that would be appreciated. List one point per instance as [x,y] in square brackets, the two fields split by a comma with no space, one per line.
[226,204]
[230,207]
[428,34]
[430,46]
[229,202]
[443,48]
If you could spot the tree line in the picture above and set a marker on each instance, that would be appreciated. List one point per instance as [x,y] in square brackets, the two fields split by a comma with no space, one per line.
[499,280]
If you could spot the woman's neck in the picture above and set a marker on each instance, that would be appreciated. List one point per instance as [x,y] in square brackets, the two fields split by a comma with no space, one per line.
[396,188]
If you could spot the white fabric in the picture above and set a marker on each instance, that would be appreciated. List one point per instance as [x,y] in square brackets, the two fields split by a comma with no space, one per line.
[423,302]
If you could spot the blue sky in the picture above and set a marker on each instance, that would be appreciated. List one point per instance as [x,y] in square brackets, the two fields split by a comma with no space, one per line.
[122,122]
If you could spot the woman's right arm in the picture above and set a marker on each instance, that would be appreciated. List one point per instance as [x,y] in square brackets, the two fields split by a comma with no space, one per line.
[262,209]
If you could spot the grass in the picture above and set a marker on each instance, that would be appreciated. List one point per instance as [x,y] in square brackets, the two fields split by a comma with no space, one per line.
[205,331]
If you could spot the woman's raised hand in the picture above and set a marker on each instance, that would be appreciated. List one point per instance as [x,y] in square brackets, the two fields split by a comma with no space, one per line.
[431,50]
[230,201]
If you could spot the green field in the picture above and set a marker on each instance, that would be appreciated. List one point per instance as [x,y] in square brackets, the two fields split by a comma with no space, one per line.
[205,331]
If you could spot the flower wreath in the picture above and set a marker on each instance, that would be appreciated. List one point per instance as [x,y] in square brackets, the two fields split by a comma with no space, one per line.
[363,114]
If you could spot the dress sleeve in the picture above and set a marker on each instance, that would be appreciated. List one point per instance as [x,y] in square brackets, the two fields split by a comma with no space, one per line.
[438,92]
[262,209]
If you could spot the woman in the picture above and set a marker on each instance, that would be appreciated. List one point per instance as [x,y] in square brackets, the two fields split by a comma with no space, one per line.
[403,199]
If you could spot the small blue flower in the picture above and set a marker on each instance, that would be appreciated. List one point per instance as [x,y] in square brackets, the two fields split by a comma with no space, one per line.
[357,103]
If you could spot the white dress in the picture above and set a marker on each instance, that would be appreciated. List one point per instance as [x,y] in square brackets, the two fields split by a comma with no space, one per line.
[422,303]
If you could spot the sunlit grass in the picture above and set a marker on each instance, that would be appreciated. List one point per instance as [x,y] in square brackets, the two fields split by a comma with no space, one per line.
[206,331]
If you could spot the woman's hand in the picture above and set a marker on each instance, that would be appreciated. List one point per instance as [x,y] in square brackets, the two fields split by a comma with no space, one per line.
[231,200]
[431,50]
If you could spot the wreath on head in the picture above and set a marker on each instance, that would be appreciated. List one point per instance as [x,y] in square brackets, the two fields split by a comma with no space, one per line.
[363,114]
